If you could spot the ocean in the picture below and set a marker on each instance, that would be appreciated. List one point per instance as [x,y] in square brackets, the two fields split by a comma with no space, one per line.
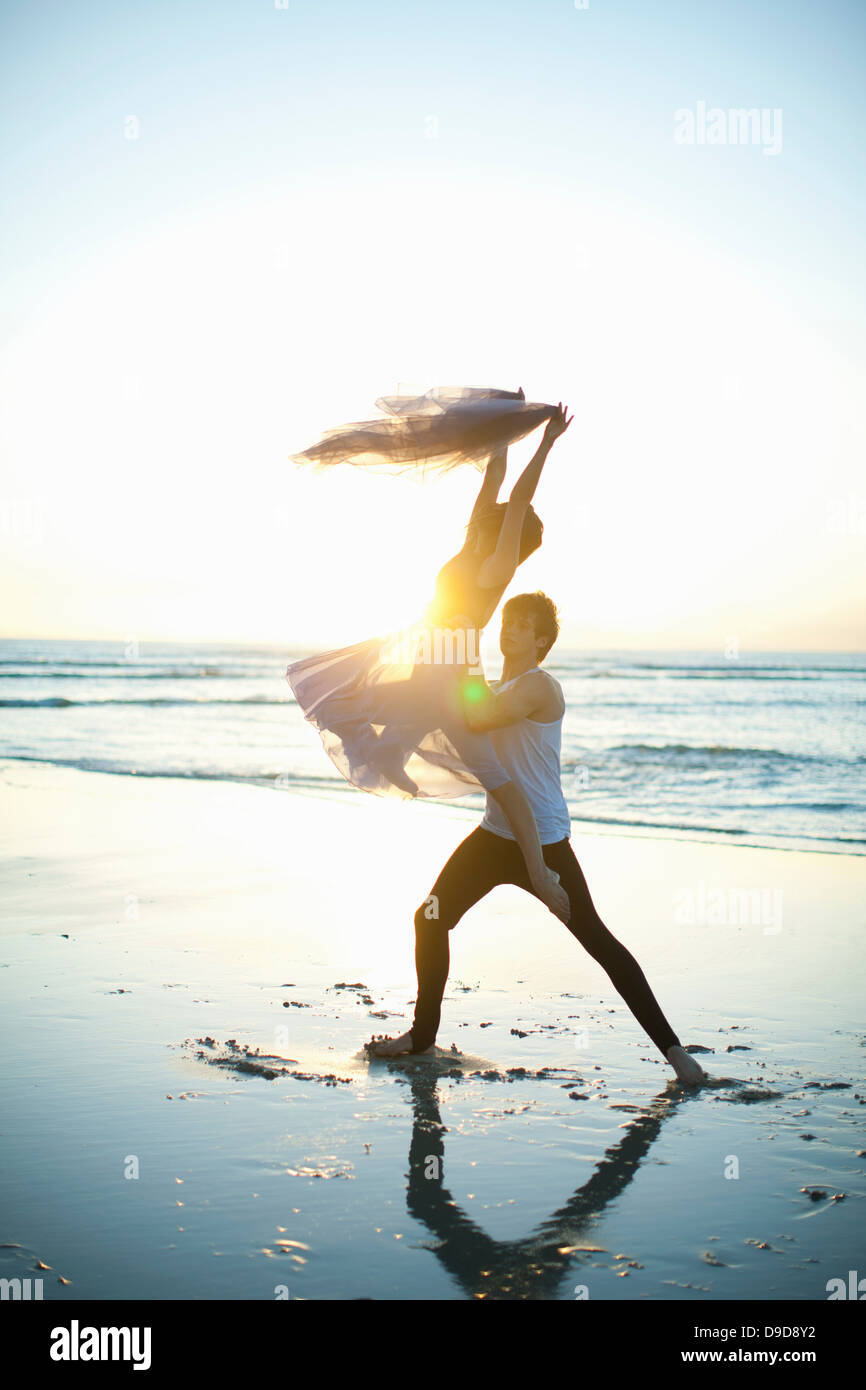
[767,749]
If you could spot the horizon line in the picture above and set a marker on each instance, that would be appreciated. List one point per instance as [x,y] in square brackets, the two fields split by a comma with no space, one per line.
[294,646]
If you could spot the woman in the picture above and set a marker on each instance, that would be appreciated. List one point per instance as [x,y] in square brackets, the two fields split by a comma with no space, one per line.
[389,710]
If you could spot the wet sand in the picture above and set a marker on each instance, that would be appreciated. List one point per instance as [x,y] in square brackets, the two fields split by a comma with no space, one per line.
[190,971]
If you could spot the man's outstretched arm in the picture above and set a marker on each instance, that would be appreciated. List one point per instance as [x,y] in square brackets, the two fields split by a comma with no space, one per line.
[485,708]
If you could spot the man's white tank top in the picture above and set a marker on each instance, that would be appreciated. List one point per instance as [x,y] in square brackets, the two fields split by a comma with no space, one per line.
[530,753]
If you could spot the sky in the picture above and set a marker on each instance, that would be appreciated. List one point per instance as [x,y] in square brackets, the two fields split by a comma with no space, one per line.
[227,226]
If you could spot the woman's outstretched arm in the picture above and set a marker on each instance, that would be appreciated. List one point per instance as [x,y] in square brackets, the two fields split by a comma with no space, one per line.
[499,568]
[494,477]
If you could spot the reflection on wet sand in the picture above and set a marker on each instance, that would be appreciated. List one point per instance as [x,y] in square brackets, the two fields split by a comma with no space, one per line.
[535,1266]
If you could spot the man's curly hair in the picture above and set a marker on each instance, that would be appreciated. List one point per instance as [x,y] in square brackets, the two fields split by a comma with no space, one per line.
[543,612]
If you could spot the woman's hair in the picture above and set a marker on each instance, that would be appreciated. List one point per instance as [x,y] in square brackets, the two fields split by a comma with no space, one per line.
[543,612]
[492,518]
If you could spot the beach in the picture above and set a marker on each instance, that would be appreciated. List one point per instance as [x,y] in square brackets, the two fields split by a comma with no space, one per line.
[192,967]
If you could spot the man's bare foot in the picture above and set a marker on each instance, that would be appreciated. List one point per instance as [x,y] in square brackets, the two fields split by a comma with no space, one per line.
[394,1047]
[687,1068]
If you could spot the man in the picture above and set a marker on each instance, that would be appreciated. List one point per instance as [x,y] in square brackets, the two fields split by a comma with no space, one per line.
[523,712]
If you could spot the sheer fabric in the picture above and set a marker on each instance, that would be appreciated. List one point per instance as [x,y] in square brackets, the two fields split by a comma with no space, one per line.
[434,432]
[388,711]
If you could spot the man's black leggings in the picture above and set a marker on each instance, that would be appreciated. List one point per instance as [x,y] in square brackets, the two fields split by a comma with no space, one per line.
[479,863]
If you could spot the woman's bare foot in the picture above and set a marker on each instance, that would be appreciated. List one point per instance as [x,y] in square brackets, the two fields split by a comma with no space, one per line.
[687,1068]
[388,762]
[394,1047]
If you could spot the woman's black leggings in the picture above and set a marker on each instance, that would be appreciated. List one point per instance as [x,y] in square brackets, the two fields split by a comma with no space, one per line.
[479,863]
